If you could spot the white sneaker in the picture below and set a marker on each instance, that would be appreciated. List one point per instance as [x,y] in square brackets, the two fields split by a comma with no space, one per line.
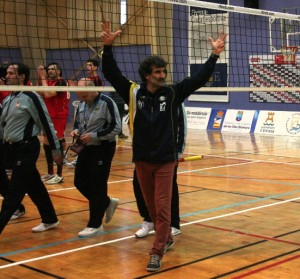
[72,164]
[90,231]
[175,231]
[110,210]
[45,227]
[47,176]
[55,179]
[146,228]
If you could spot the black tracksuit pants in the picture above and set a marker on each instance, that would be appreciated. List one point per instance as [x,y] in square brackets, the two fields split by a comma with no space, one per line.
[21,157]
[91,176]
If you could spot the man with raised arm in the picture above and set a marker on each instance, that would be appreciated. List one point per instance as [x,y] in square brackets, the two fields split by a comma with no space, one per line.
[154,106]
[57,103]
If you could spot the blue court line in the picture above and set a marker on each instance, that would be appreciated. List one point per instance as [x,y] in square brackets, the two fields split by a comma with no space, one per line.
[245,202]
[52,244]
[138,225]
[239,203]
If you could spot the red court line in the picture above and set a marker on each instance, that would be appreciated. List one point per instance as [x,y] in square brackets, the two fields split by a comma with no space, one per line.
[250,234]
[86,201]
[266,267]
[68,198]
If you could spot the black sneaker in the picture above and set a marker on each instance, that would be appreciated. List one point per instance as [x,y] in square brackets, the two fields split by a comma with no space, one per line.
[154,263]
[168,246]
[122,136]
[17,214]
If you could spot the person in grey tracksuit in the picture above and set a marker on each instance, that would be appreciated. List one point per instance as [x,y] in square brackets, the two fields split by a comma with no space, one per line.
[23,117]
[97,124]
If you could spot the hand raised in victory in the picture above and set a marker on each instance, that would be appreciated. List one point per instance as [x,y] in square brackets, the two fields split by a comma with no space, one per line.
[219,44]
[106,35]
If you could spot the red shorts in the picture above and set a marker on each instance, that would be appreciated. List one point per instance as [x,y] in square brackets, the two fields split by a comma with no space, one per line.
[60,125]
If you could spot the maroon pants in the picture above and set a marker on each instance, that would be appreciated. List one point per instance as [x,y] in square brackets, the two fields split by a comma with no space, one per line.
[156,181]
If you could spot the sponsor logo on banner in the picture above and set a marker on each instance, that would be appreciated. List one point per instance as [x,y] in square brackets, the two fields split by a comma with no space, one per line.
[293,124]
[268,126]
[239,115]
[197,118]
[218,119]
[238,121]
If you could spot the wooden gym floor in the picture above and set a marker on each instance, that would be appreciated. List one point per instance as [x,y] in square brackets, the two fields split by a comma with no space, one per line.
[239,210]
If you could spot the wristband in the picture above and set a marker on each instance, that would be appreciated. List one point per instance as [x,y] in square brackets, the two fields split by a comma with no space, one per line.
[215,56]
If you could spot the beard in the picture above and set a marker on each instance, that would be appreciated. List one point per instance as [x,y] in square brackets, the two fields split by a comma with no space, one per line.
[161,82]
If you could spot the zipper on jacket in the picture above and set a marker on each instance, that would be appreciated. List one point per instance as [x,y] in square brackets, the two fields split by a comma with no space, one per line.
[151,110]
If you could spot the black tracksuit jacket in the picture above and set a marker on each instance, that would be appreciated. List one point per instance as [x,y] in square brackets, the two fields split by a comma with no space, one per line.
[156,117]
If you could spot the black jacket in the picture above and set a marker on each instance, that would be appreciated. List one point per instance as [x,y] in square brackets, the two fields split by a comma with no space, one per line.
[156,118]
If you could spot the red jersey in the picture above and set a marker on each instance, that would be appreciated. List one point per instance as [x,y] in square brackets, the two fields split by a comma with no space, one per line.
[3,95]
[97,80]
[58,105]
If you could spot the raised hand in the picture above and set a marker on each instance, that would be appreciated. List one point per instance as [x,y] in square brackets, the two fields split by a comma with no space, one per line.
[219,44]
[106,35]
[41,72]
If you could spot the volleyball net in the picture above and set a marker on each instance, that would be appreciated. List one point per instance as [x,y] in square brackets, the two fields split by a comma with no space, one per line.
[261,57]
